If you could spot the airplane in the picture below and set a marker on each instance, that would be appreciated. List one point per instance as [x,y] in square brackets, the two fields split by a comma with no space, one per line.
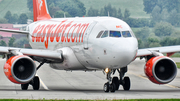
[87,44]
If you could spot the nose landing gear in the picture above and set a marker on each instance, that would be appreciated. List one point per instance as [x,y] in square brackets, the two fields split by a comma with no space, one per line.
[114,83]
[109,86]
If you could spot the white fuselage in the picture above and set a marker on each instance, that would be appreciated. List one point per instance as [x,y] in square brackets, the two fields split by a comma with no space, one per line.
[84,46]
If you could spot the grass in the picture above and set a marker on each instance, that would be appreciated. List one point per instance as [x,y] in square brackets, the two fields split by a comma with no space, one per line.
[178,64]
[94,100]
[135,6]
[15,6]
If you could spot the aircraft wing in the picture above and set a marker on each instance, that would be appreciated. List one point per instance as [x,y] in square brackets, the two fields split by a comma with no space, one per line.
[14,31]
[150,51]
[43,54]
[36,54]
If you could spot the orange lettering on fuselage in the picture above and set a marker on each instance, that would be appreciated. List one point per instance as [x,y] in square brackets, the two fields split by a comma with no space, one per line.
[83,27]
[37,30]
[58,30]
[68,39]
[62,36]
[75,33]
[53,32]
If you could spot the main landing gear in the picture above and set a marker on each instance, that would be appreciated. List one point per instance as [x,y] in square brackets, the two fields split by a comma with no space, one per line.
[113,83]
[35,82]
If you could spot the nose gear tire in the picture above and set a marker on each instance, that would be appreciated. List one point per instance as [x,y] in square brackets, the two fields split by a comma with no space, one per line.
[106,87]
[113,87]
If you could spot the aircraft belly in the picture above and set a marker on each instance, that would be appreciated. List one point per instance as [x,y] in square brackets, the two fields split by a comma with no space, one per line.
[65,66]
[70,61]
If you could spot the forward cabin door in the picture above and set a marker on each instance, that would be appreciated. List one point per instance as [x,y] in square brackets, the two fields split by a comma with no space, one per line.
[87,33]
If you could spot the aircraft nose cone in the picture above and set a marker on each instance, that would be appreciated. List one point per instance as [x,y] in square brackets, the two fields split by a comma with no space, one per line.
[125,53]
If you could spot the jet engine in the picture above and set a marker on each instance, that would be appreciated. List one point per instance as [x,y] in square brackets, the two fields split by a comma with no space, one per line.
[20,69]
[161,69]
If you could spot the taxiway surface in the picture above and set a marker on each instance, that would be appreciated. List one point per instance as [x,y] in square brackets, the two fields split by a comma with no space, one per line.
[88,85]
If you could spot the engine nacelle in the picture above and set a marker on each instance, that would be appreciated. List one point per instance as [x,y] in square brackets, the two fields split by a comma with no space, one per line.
[161,69]
[20,69]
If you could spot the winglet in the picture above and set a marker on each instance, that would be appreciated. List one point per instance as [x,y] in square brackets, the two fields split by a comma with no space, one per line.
[40,10]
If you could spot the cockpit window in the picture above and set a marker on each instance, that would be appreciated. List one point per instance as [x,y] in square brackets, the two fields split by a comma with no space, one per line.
[115,34]
[105,34]
[100,33]
[126,34]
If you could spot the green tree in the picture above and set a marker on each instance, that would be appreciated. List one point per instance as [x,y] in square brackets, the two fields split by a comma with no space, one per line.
[93,12]
[167,41]
[163,29]
[164,15]
[11,42]
[60,14]
[177,41]
[153,42]
[20,42]
[175,34]
[149,5]
[143,33]
[156,14]
[3,43]
[3,21]
[8,16]
[119,14]
[174,18]
[108,9]
[126,13]
[111,10]
[170,4]
[22,19]
[163,10]
[73,7]
[53,9]
[140,44]
[14,18]
[30,3]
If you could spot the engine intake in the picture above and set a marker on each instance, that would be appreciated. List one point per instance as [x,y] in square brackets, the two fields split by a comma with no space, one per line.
[20,69]
[161,70]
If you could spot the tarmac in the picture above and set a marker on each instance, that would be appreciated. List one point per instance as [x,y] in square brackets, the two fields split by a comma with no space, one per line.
[89,85]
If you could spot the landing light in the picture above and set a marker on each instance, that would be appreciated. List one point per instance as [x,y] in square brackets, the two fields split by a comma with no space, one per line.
[107,70]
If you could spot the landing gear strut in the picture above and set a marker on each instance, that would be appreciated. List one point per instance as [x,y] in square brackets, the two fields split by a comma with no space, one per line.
[114,83]
[109,86]
[35,82]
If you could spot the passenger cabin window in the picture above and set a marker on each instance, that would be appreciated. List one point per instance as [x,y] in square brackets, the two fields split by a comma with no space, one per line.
[100,33]
[105,34]
[126,34]
[115,34]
